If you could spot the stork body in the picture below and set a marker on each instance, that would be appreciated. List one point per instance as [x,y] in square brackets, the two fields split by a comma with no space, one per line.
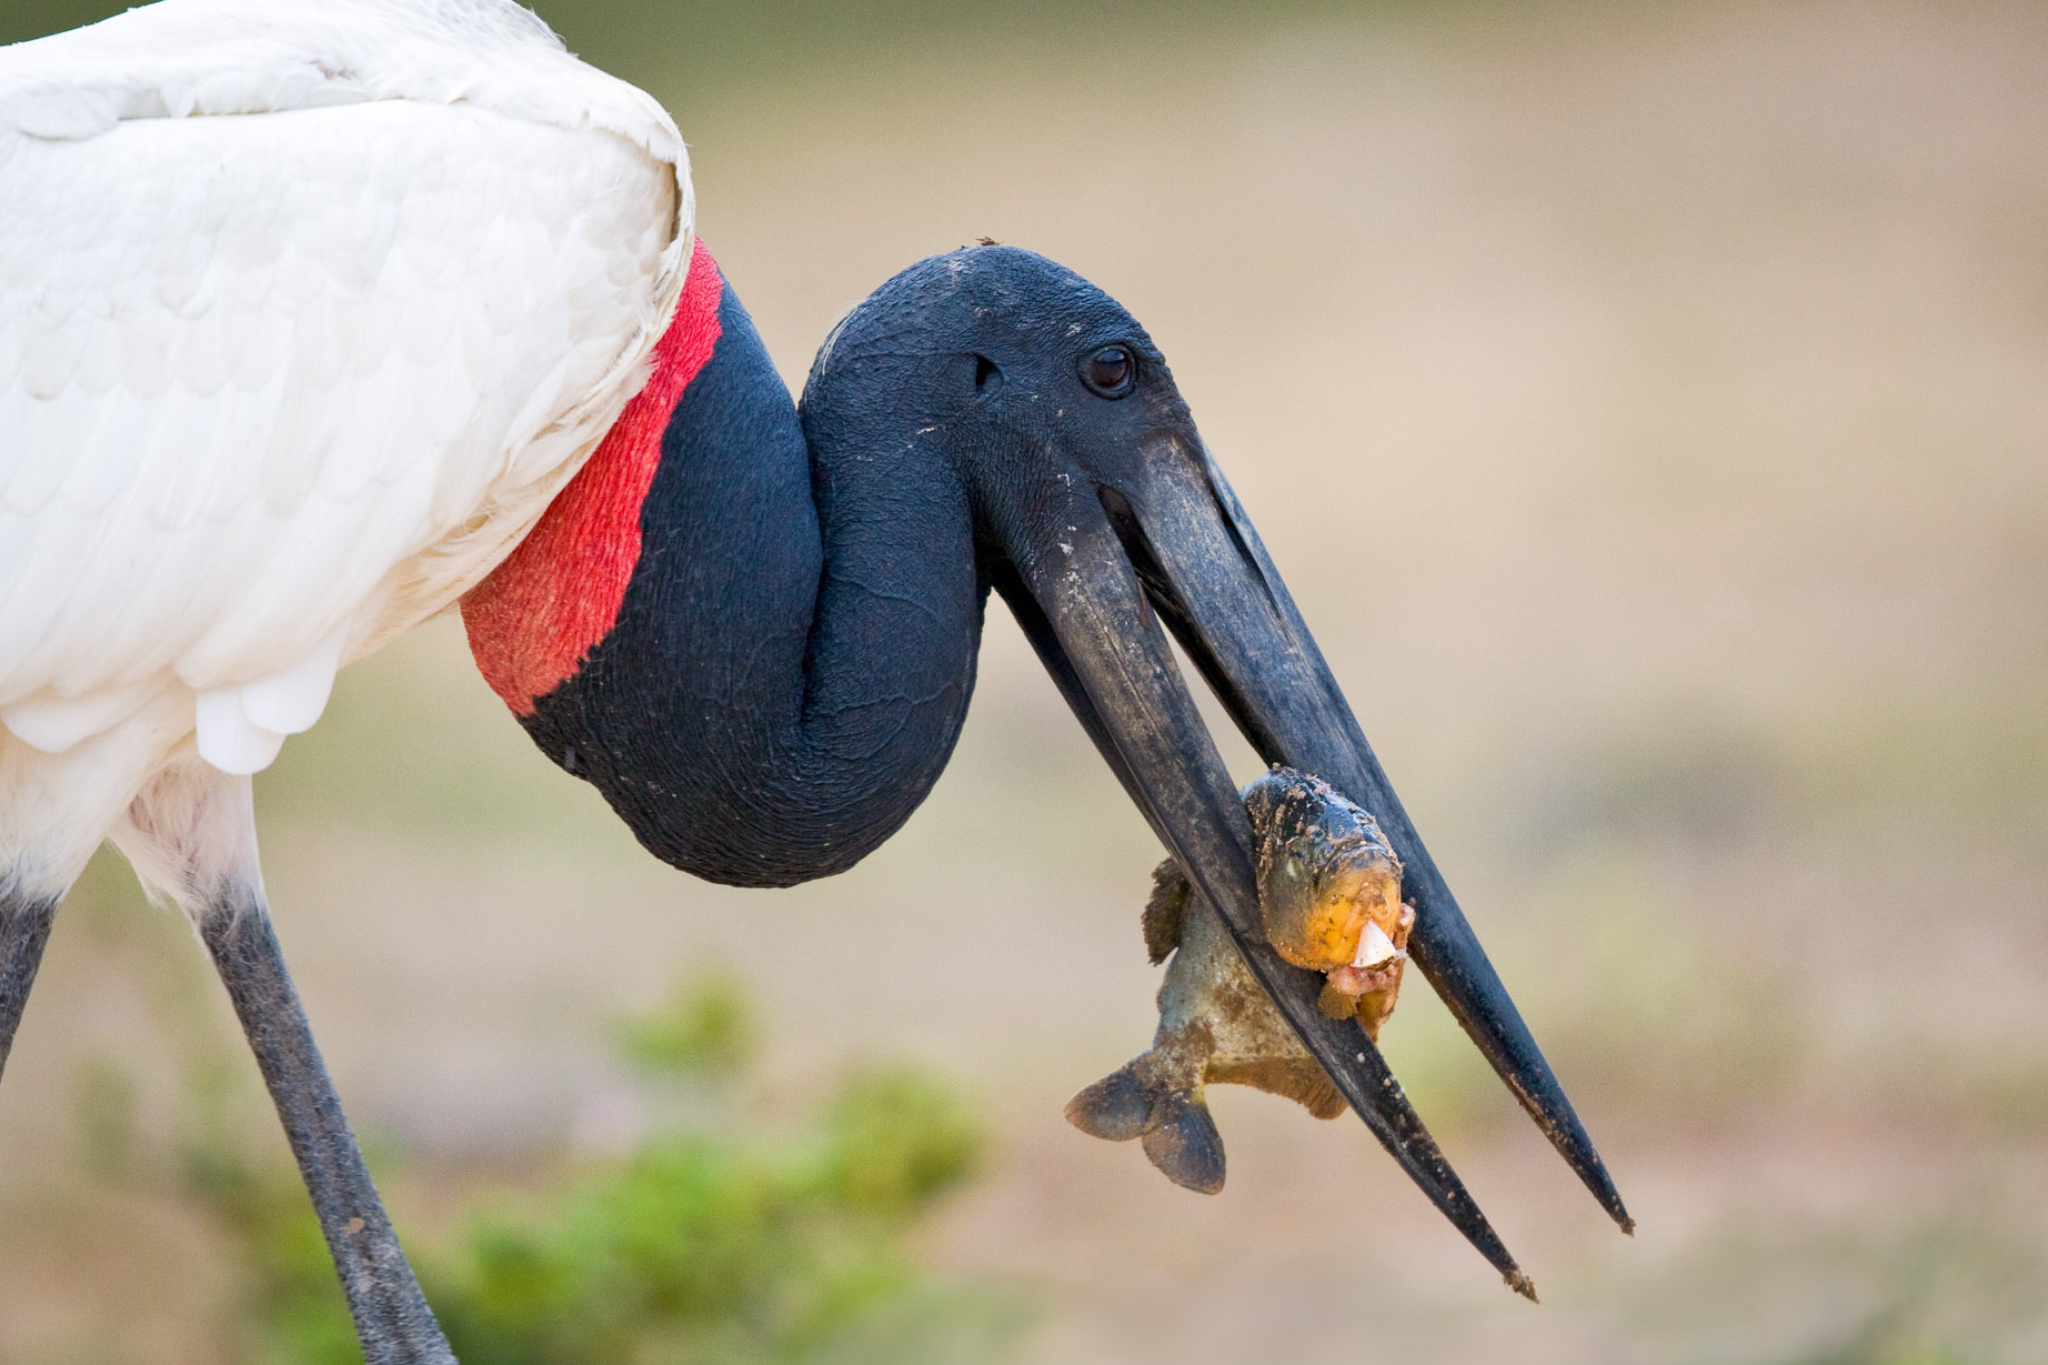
[317,315]
[311,309]
[307,311]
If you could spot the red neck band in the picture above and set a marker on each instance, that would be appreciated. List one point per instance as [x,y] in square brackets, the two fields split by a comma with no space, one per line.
[541,611]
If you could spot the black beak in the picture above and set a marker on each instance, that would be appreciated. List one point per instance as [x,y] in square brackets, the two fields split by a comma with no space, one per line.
[1090,575]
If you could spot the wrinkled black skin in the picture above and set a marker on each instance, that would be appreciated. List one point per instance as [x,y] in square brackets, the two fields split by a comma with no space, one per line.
[793,659]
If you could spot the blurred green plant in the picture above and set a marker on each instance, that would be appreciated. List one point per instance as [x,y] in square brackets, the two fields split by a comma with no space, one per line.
[718,1242]
[1883,1344]
[706,1031]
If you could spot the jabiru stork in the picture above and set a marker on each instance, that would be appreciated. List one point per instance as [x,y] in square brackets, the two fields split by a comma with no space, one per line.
[318,317]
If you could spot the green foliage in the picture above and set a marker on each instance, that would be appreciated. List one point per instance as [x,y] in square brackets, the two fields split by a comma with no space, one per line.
[1885,1342]
[707,1030]
[720,1244]
[894,1142]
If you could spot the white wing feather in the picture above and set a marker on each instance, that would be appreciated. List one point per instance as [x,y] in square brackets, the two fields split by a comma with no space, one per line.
[274,387]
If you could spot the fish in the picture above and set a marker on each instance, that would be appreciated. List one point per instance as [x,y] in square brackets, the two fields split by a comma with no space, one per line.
[1330,901]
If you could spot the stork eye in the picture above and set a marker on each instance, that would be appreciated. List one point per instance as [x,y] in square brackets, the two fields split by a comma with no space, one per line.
[1108,371]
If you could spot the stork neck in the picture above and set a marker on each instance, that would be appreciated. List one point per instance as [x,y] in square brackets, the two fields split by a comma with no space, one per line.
[784,666]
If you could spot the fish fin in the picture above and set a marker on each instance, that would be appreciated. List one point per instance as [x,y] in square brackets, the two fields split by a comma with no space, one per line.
[1373,1009]
[1118,1107]
[1335,1004]
[1185,1145]
[1166,912]
[1324,1100]
[1294,1078]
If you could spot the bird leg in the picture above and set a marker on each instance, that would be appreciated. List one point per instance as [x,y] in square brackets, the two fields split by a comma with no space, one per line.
[391,1315]
[25,921]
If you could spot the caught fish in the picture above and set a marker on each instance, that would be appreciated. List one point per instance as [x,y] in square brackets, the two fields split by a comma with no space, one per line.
[1329,900]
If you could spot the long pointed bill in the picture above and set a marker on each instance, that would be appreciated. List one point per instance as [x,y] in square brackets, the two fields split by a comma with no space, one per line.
[1089,618]
[1212,579]
[1091,592]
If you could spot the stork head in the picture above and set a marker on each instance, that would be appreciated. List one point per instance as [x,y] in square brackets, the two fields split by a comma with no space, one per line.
[1042,390]
[1101,518]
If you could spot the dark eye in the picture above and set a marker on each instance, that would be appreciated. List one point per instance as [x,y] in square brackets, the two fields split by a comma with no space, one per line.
[1108,371]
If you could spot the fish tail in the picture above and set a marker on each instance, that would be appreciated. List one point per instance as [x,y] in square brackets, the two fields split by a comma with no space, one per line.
[1136,1101]
[1120,1106]
[1185,1146]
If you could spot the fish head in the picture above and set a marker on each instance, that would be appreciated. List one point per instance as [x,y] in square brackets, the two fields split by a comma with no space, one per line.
[1329,883]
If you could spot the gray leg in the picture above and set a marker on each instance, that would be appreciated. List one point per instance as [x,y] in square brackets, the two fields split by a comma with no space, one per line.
[24,928]
[391,1315]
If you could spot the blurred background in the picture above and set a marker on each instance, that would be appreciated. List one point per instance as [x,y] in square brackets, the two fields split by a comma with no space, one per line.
[1648,404]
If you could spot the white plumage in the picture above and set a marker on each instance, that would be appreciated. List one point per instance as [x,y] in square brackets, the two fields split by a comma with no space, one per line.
[307,308]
